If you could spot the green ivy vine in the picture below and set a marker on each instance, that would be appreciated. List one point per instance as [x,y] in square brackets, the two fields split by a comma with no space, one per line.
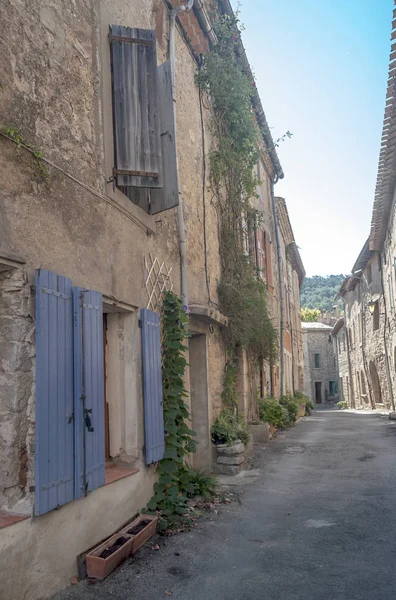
[175,483]
[233,159]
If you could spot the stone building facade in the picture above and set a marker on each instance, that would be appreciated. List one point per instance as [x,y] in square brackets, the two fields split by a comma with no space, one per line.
[320,368]
[293,278]
[369,293]
[75,241]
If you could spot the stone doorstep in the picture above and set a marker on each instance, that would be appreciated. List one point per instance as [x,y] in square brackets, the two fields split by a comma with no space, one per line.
[226,469]
[238,459]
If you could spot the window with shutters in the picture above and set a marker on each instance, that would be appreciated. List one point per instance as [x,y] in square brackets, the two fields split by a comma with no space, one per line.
[74,418]
[138,119]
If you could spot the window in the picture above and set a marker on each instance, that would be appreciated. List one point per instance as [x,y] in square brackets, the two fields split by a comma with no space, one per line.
[369,275]
[317,361]
[332,388]
[139,141]
[268,259]
[72,438]
[376,316]
[318,392]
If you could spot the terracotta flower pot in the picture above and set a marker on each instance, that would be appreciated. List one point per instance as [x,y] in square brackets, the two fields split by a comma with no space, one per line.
[142,536]
[99,567]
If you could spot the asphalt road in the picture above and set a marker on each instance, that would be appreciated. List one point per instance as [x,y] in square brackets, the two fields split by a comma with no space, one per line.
[315,521]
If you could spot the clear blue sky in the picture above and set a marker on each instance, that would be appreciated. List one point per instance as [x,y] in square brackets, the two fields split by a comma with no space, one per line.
[321,70]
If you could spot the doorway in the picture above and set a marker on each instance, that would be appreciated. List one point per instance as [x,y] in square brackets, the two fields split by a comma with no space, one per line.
[318,392]
[202,457]
[375,383]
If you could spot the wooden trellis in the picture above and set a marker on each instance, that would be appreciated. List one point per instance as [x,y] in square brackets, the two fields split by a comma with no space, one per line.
[158,281]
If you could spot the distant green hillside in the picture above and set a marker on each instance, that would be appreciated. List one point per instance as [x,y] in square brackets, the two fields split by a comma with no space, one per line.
[319,292]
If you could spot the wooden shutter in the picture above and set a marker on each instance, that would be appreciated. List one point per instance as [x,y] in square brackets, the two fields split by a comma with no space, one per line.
[152,387]
[135,107]
[268,259]
[168,196]
[88,391]
[54,481]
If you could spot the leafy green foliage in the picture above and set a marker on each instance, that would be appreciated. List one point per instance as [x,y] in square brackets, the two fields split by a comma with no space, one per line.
[303,399]
[342,405]
[291,405]
[310,315]
[272,412]
[229,427]
[233,158]
[174,485]
[205,485]
[320,292]
[16,137]
[229,395]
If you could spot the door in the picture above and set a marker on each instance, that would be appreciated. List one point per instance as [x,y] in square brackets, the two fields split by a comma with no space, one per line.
[318,392]
[199,400]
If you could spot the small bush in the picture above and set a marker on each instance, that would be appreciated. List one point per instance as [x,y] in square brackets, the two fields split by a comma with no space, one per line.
[271,411]
[309,406]
[204,484]
[342,405]
[302,399]
[229,427]
[291,405]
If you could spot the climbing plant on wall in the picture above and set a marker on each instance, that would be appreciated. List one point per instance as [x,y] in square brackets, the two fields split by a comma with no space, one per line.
[175,477]
[233,160]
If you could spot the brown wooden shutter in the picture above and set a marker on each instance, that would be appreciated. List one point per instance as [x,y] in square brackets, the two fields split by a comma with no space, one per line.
[268,259]
[135,107]
[168,196]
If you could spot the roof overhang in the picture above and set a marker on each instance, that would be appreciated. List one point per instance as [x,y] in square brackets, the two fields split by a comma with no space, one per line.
[207,314]
[386,175]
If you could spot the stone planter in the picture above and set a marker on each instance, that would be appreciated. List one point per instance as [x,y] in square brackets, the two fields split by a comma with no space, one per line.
[142,536]
[229,459]
[98,567]
[272,430]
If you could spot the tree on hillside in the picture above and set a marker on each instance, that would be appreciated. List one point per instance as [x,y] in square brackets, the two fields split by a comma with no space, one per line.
[320,292]
[310,315]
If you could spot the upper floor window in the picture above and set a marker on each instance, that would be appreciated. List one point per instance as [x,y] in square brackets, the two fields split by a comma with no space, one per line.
[317,361]
[140,147]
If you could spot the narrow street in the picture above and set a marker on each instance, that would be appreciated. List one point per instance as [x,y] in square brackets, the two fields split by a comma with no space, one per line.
[315,521]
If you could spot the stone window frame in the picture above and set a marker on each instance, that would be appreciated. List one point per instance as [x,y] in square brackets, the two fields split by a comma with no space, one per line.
[316,362]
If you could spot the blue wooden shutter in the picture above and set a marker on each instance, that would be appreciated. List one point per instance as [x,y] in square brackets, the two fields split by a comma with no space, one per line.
[54,481]
[88,391]
[152,386]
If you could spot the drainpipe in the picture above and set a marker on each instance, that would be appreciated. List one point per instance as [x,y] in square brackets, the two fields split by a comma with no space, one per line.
[388,374]
[180,216]
[280,277]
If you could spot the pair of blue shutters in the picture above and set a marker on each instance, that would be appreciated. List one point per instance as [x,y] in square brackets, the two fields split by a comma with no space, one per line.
[70,455]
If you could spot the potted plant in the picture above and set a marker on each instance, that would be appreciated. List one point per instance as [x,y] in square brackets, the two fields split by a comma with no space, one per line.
[141,529]
[103,559]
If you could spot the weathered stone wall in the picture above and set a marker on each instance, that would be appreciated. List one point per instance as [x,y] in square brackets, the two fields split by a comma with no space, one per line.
[342,365]
[368,378]
[388,261]
[318,341]
[16,388]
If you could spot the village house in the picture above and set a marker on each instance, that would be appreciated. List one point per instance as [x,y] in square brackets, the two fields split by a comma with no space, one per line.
[293,277]
[104,204]
[369,329]
[320,367]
